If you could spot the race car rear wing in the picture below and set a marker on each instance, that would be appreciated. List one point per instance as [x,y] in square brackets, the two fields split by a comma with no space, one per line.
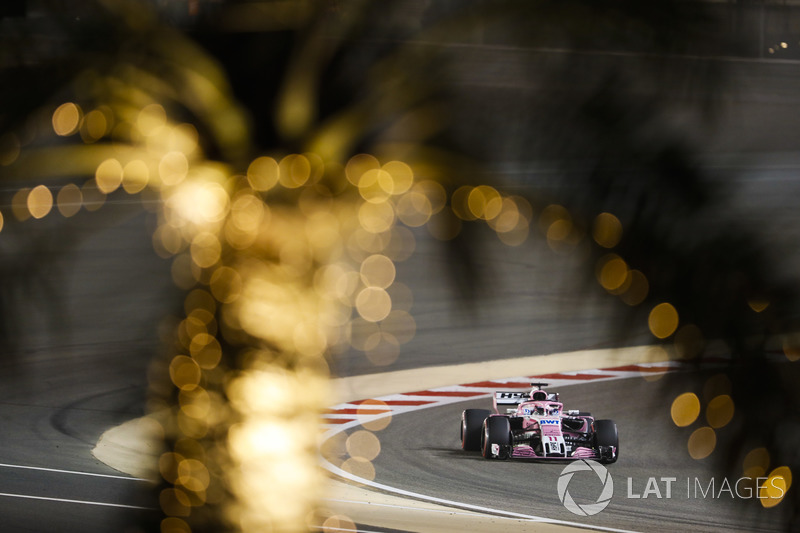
[507,401]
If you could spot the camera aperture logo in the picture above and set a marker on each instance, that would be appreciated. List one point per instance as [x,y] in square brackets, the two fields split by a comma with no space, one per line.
[585,509]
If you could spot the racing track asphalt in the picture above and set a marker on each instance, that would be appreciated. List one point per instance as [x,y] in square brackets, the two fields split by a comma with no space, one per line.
[421,453]
[81,368]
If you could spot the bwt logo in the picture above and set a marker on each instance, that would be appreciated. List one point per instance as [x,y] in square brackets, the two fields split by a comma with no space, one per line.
[586,509]
[550,422]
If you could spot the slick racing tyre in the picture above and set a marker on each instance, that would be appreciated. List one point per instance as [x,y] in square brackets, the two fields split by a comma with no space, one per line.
[471,427]
[496,438]
[605,433]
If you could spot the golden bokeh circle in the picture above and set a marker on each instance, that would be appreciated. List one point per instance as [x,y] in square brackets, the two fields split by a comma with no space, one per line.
[263,173]
[637,290]
[689,342]
[716,385]
[607,230]
[402,176]
[151,119]
[373,304]
[791,347]
[358,165]
[174,525]
[67,119]
[363,444]
[184,372]
[613,273]
[206,249]
[359,467]
[295,171]
[702,442]
[173,168]
[338,523]
[719,411]
[773,491]
[685,409]
[108,176]
[377,271]
[376,218]
[663,320]
[384,349]
[756,462]
[367,411]
[40,201]
[135,176]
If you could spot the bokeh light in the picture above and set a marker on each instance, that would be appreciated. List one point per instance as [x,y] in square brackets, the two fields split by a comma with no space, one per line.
[135,176]
[607,230]
[637,290]
[689,342]
[716,385]
[337,523]
[663,320]
[373,304]
[374,415]
[19,204]
[612,272]
[719,411]
[685,409]
[791,347]
[377,271]
[755,463]
[151,119]
[108,176]
[774,489]
[93,197]
[702,442]
[69,200]
[40,201]
[358,165]
[294,171]
[67,119]
[363,444]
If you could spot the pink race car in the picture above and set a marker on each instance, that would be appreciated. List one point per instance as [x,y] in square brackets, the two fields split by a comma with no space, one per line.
[535,426]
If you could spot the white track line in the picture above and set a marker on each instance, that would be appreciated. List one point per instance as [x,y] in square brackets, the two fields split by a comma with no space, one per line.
[477,508]
[128,478]
[81,502]
[417,509]
[329,528]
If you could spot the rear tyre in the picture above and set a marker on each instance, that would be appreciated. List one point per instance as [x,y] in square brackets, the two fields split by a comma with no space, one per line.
[496,438]
[471,427]
[605,433]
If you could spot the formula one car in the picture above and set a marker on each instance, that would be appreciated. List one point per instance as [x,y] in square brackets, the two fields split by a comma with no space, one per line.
[535,426]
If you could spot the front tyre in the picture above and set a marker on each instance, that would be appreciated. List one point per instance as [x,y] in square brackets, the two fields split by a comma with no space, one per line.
[471,427]
[496,438]
[607,436]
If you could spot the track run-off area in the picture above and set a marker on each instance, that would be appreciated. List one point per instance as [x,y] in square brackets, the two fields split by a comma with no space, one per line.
[392,446]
